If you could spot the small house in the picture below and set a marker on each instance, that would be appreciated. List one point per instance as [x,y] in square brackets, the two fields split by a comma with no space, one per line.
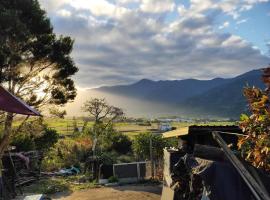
[165,127]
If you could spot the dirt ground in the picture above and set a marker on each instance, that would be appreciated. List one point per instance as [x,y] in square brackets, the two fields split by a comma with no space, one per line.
[128,192]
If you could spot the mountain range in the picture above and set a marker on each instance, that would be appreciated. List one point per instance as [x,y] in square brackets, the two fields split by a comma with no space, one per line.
[219,97]
[190,98]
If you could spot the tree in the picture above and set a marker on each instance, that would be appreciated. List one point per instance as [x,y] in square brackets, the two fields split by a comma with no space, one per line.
[141,145]
[116,141]
[55,112]
[35,135]
[255,146]
[104,115]
[35,64]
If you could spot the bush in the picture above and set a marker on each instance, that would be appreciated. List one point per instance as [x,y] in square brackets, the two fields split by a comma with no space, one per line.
[141,145]
[127,158]
[23,142]
[47,140]
[112,179]
[34,136]
[67,152]
[120,143]
[108,157]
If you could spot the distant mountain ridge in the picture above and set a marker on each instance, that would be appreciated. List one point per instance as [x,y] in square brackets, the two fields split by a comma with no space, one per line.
[165,91]
[217,97]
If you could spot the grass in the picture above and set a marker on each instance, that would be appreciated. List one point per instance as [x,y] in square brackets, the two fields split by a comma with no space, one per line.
[65,126]
[54,185]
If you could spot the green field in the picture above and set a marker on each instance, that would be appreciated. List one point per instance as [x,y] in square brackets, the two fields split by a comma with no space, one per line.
[65,126]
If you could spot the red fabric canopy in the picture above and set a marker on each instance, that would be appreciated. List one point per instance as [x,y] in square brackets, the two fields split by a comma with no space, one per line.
[12,104]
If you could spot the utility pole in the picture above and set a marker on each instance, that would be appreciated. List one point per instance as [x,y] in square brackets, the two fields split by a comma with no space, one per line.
[151,156]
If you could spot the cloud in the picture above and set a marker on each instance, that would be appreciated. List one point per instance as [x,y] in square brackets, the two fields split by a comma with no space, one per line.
[116,44]
[64,13]
[157,6]
[127,1]
[242,21]
[52,6]
[224,25]
[99,8]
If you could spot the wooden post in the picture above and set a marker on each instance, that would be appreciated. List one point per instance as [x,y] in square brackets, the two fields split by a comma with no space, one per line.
[138,171]
[151,157]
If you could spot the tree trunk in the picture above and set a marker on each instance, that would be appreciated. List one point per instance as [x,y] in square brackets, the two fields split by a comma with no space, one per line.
[7,132]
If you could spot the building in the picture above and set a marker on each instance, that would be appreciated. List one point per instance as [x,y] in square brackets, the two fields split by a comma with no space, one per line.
[165,127]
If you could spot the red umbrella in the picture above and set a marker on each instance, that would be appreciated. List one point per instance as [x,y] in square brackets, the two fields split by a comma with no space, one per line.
[11,103]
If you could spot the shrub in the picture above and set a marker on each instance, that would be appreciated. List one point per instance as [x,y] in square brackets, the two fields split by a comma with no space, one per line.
[34,136]
[127,158]
[255,146]
[112,179]
[141,145]
[47,140]
[67,152]
[117,142]
[23,142]
[108,157]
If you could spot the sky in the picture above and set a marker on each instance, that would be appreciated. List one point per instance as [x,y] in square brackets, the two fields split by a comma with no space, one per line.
[123,41]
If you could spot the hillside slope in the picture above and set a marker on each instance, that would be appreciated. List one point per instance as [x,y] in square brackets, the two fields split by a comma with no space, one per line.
[165,91]
[191,98]
[226,100]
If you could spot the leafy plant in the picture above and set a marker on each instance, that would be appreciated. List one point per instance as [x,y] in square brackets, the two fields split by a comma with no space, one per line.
[255,146]
[34,135]
[47,140]
[115,141]
[141,145]
[104,116]
[112,179]
[67,152]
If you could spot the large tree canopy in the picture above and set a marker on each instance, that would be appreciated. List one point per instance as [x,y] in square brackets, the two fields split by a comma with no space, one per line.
[35,64]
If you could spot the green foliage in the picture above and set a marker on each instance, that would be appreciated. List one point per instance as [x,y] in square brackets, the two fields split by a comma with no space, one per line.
[31,49]
[55,112]
[67,152]
[34,135]
[23,142]
[255,146]
[115,141]
[59,184]
[108,157]
[48,186]
[126,158]
[121,143]
[171,142]
[35,64]
[104,116]
[112,179]
[47,140]
[141,145]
